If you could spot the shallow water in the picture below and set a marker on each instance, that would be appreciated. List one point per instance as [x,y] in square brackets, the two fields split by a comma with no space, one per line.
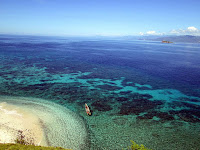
[144,91]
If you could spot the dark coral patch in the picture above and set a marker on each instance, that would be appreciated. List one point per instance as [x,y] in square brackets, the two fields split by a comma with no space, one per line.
[194,100]
[101,106]
[106,82]
[175,105]
[146,116]
[138,106]
[126,82]
[188,115]
[125,92]
[141,96]
[42,87]
[144,88]
[122,99]
[191,106]
[91,82]
[191,114]
[162,115]
[109,87]
[188,100]
[188,118]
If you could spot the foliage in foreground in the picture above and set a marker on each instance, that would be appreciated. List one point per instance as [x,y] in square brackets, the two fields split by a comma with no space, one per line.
[135,146]
[23,143]
[27,147]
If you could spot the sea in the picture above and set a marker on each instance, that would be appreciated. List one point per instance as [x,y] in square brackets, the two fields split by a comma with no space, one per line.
[144,91]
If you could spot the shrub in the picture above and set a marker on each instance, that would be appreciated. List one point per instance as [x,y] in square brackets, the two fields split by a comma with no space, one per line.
[22,140]
[135,146]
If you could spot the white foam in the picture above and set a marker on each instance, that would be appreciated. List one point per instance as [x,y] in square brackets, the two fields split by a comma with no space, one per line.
[9,112]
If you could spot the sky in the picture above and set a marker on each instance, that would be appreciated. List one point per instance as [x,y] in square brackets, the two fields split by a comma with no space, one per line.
[100,17]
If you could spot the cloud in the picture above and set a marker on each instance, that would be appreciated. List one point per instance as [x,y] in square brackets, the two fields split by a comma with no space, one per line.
[192,29]
[151,33]
[189,31]
[141,33]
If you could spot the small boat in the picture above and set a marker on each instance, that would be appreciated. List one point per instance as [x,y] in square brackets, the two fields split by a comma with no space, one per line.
[87,109]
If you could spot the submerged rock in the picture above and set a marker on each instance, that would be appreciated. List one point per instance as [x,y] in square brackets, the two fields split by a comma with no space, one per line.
[138,106]
[101,106]
[164,116]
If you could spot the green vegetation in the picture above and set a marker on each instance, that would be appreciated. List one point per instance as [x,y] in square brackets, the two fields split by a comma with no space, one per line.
[27,147]
[135,146]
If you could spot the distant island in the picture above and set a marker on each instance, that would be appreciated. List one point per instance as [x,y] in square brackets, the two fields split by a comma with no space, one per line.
[166,41]
[182,38]
[172,39]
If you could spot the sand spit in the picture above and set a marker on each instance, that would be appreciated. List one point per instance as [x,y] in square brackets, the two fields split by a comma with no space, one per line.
[47,123]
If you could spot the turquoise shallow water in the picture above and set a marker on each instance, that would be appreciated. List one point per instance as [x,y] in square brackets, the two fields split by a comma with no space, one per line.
[143,91]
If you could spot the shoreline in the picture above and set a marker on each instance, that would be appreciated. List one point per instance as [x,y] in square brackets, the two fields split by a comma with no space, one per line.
[48,123]
[14,120]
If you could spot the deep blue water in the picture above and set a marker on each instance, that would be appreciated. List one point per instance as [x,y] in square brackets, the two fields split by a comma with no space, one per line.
[175,66]
[103,72]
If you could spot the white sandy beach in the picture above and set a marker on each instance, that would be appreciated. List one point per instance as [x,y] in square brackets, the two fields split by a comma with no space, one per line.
[14,119]
[44,122]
